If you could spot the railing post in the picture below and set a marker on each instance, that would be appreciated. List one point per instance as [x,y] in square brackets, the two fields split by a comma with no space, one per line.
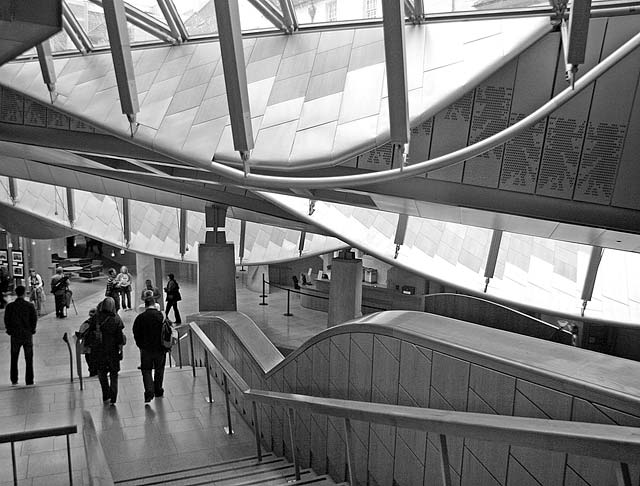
[193,358]
[296,464]
[65,338]
[348,436]
[622,474]
[288,314]
[79,364]
[69,461]
[13,463]
[180,350]
[264,292]
[444,461]
[257,430]
[228,429]
[206,365]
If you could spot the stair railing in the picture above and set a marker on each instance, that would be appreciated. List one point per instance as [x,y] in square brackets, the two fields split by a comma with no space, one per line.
[619,444]
[14,437]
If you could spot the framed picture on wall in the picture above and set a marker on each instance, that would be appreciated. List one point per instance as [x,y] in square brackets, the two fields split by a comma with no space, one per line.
[18,271]
[3,256]
[16,256]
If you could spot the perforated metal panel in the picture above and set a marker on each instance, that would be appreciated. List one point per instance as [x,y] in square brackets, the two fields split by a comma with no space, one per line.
[35,114]
[380,158]
[12,107]
[420,142]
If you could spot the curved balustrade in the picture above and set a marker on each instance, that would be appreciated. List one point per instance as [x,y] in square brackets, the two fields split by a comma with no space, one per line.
[487,313]
[357,379]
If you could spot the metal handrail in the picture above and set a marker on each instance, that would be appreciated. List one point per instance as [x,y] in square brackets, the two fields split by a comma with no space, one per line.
[14,437]
[620,444]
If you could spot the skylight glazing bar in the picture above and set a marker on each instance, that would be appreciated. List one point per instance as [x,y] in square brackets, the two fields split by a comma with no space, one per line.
[46,66]
[116,20]
[73,36]
[395,60]
[146,23]
[270,13]
[235,77]
[75,26]
[171,21]
[418,8]
[176,17]
[289,15]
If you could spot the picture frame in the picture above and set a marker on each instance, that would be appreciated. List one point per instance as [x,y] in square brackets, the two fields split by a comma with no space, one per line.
[18,271]
[16,256]
[4,256]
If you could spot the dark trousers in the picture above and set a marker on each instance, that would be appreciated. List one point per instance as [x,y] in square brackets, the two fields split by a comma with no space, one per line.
[28,358]
[60,305]
[152,362]
[108,384]
[176,313]
[126,298]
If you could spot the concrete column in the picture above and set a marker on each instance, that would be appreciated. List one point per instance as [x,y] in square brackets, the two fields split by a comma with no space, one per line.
[216,277]
[254,278]
[345,291]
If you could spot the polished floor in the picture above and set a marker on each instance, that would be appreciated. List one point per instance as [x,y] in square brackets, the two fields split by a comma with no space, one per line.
[179,430]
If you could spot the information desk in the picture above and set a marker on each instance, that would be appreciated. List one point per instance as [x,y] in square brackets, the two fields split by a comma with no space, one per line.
[374,298]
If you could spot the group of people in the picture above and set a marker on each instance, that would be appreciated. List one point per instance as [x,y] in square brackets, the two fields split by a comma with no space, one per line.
[103,339]
[102,332]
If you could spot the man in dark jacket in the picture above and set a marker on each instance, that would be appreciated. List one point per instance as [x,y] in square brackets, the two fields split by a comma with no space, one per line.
[147,331]
[59,287]
[20,320]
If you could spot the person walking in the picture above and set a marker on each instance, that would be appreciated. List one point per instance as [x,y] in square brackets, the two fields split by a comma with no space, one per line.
[5,281]
[105,338]
[123,284]
[147,332]
[112,290]
[59,287]
[173,296]
[36,293]
[149,289]
[20,321]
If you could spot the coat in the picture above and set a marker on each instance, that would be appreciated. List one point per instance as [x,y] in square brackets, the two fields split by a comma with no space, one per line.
[147,331]
[20,320]
[173,291]
[106,347]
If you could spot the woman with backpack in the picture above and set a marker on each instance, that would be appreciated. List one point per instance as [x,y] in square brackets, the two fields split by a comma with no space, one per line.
[105,338]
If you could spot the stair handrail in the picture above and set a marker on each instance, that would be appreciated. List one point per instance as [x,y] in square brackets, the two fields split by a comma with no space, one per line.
[97,465]
[620,444]
[13,437]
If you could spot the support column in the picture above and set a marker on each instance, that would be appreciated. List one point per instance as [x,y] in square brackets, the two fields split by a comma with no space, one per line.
[216,265]
[345,291]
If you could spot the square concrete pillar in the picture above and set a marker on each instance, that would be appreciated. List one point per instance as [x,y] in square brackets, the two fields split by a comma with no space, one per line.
[216,277]
[345,291]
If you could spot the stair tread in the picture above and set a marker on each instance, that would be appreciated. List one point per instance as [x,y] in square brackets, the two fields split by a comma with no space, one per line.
[244,463]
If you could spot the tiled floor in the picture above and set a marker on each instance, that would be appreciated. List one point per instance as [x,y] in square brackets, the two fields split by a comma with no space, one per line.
[180,430]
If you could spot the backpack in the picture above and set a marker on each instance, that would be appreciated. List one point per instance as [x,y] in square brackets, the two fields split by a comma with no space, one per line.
[169,335]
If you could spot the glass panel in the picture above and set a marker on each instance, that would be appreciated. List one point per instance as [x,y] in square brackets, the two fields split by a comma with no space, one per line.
[150,7]
[137,35]
[91,18]
[252,19]
[318,11]
[61,42]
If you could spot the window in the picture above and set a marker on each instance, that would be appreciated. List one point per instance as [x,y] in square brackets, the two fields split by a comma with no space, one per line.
[370,9]
[332,10]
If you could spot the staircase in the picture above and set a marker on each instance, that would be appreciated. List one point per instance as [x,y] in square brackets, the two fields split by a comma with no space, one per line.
[272,471]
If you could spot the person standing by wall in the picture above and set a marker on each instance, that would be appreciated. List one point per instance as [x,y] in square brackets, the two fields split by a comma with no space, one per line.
[59,286]
[20,321]
[173,296]
[105,338]
[147,331]
[123,283]
[5,281]
[36,293]
[111,290]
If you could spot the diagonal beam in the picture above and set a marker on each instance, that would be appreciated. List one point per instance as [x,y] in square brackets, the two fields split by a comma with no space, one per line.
[590,277]
[182,224]
[75,27]
[395,59]
[418,8]
[289,16]
[126,221]
[13,190]
[409,9]
[73,36]
[574,36]
[172,17]
[401,232]
[116,20]
[301,241]
[146,23]
[46,66]
[492,257]
[172,22]
[71,206]
[235,77]
[269,12]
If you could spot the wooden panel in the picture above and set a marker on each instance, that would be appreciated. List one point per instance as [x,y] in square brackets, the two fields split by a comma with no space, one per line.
[386,369]
[450,130]
[450,379]
[495,389]
[415,375]
[533,87]
[491,108]
[360,367]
